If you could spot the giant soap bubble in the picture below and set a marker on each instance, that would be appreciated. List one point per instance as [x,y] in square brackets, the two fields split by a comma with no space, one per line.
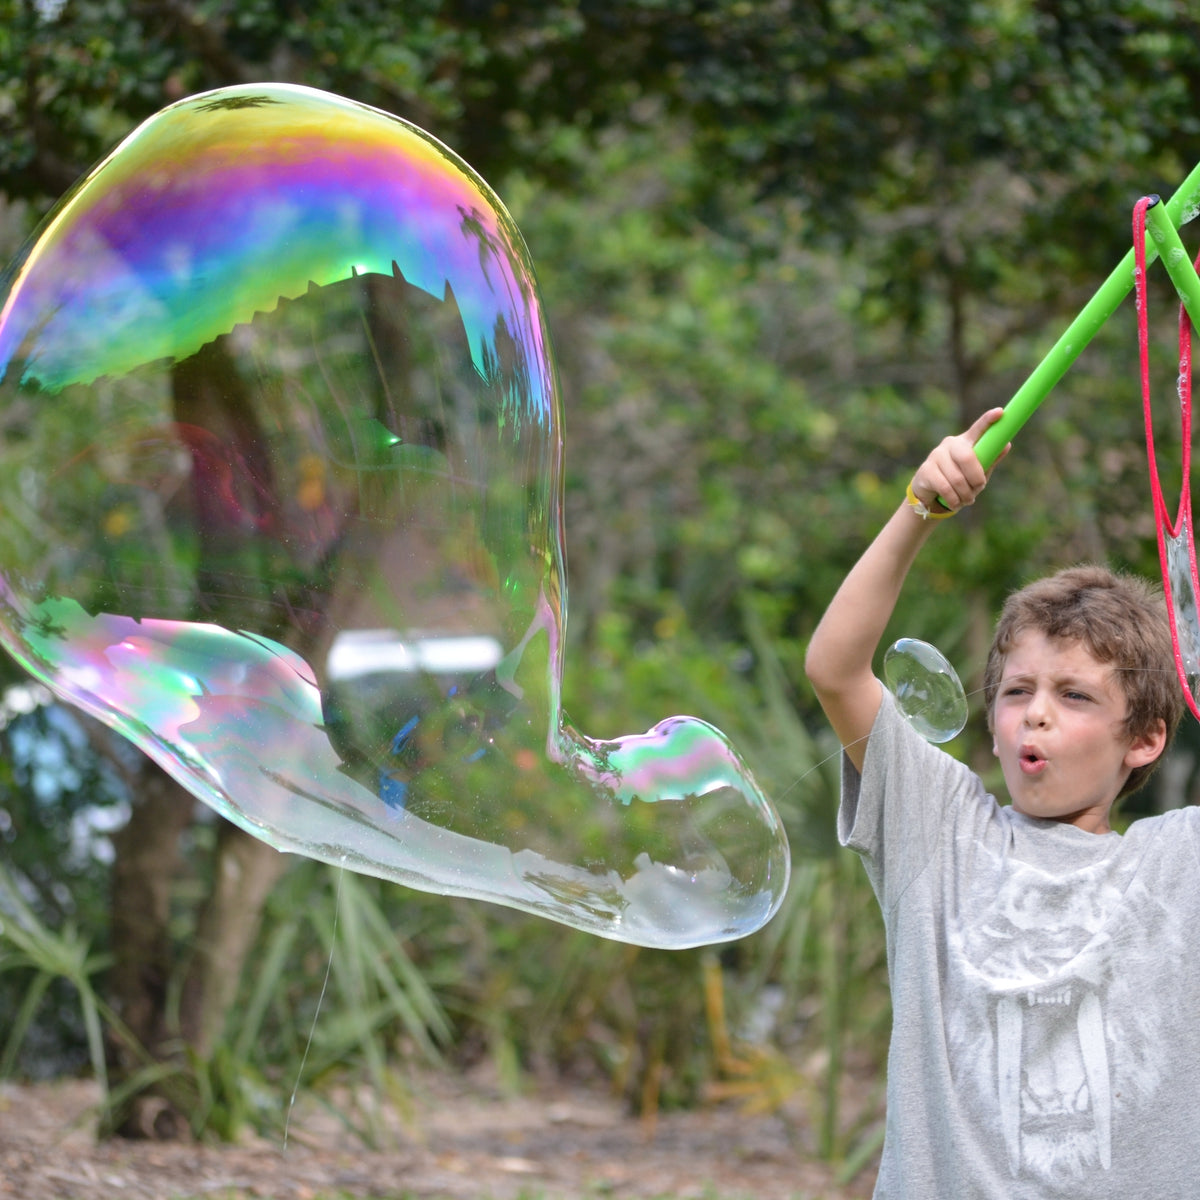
[280,486]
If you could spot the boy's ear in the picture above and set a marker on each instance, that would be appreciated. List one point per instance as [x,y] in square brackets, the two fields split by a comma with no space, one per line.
[1147,746]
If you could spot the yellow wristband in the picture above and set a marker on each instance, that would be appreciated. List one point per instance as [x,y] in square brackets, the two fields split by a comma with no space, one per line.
[926,514]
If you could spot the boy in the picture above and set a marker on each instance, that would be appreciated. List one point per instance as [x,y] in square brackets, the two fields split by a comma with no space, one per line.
[1044,969]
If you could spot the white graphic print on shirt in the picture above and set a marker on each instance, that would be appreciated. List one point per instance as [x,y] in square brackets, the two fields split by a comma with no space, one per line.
[1038,976]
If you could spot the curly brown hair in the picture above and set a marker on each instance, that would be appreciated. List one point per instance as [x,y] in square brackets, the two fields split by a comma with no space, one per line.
[1121,620]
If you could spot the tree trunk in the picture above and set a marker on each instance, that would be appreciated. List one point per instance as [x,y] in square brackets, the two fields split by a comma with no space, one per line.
[218,424]
[145,868]
[244,873]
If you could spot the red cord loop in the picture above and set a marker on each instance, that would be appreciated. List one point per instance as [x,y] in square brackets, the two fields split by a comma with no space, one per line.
[1176,575]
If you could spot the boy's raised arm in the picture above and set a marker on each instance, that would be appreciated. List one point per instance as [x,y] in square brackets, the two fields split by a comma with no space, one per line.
[838,663]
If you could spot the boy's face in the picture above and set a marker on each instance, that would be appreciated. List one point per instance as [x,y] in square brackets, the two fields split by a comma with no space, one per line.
[1058,723]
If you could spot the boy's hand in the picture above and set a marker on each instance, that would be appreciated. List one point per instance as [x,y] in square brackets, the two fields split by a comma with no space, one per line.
[952,476]
[840,654]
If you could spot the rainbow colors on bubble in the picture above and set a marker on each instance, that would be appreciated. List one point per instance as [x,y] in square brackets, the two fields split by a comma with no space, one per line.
[281,495]
[172,241]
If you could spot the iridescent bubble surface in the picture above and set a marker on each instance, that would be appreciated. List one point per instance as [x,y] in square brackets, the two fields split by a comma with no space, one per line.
[927,689]
[280,476]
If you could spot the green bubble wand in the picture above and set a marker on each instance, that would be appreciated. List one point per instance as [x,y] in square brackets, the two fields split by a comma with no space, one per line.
[1162,241]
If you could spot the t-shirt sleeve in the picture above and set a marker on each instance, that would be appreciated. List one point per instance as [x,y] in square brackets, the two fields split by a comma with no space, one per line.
[895,812]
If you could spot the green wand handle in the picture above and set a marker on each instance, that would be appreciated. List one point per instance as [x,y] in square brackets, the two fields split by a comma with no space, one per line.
[1181,208]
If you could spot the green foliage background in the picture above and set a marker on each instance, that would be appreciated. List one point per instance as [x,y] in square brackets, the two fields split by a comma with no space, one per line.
[785,246]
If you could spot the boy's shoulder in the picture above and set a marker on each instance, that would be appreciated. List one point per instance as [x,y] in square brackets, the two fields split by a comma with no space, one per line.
[1180,825]
[895,736]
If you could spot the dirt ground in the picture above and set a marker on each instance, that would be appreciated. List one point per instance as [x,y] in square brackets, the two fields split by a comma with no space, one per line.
[460,1139]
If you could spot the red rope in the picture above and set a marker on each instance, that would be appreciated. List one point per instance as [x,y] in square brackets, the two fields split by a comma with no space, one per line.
[1168,529]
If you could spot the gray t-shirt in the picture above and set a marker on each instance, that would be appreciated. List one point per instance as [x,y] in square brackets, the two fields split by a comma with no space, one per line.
[1045,987]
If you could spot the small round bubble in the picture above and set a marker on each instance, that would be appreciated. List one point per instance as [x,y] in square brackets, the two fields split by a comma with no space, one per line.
[281,476]
[927,689]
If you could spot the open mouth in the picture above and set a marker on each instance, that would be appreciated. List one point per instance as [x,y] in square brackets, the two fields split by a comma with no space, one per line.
[1012,1013]
[1030,761]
